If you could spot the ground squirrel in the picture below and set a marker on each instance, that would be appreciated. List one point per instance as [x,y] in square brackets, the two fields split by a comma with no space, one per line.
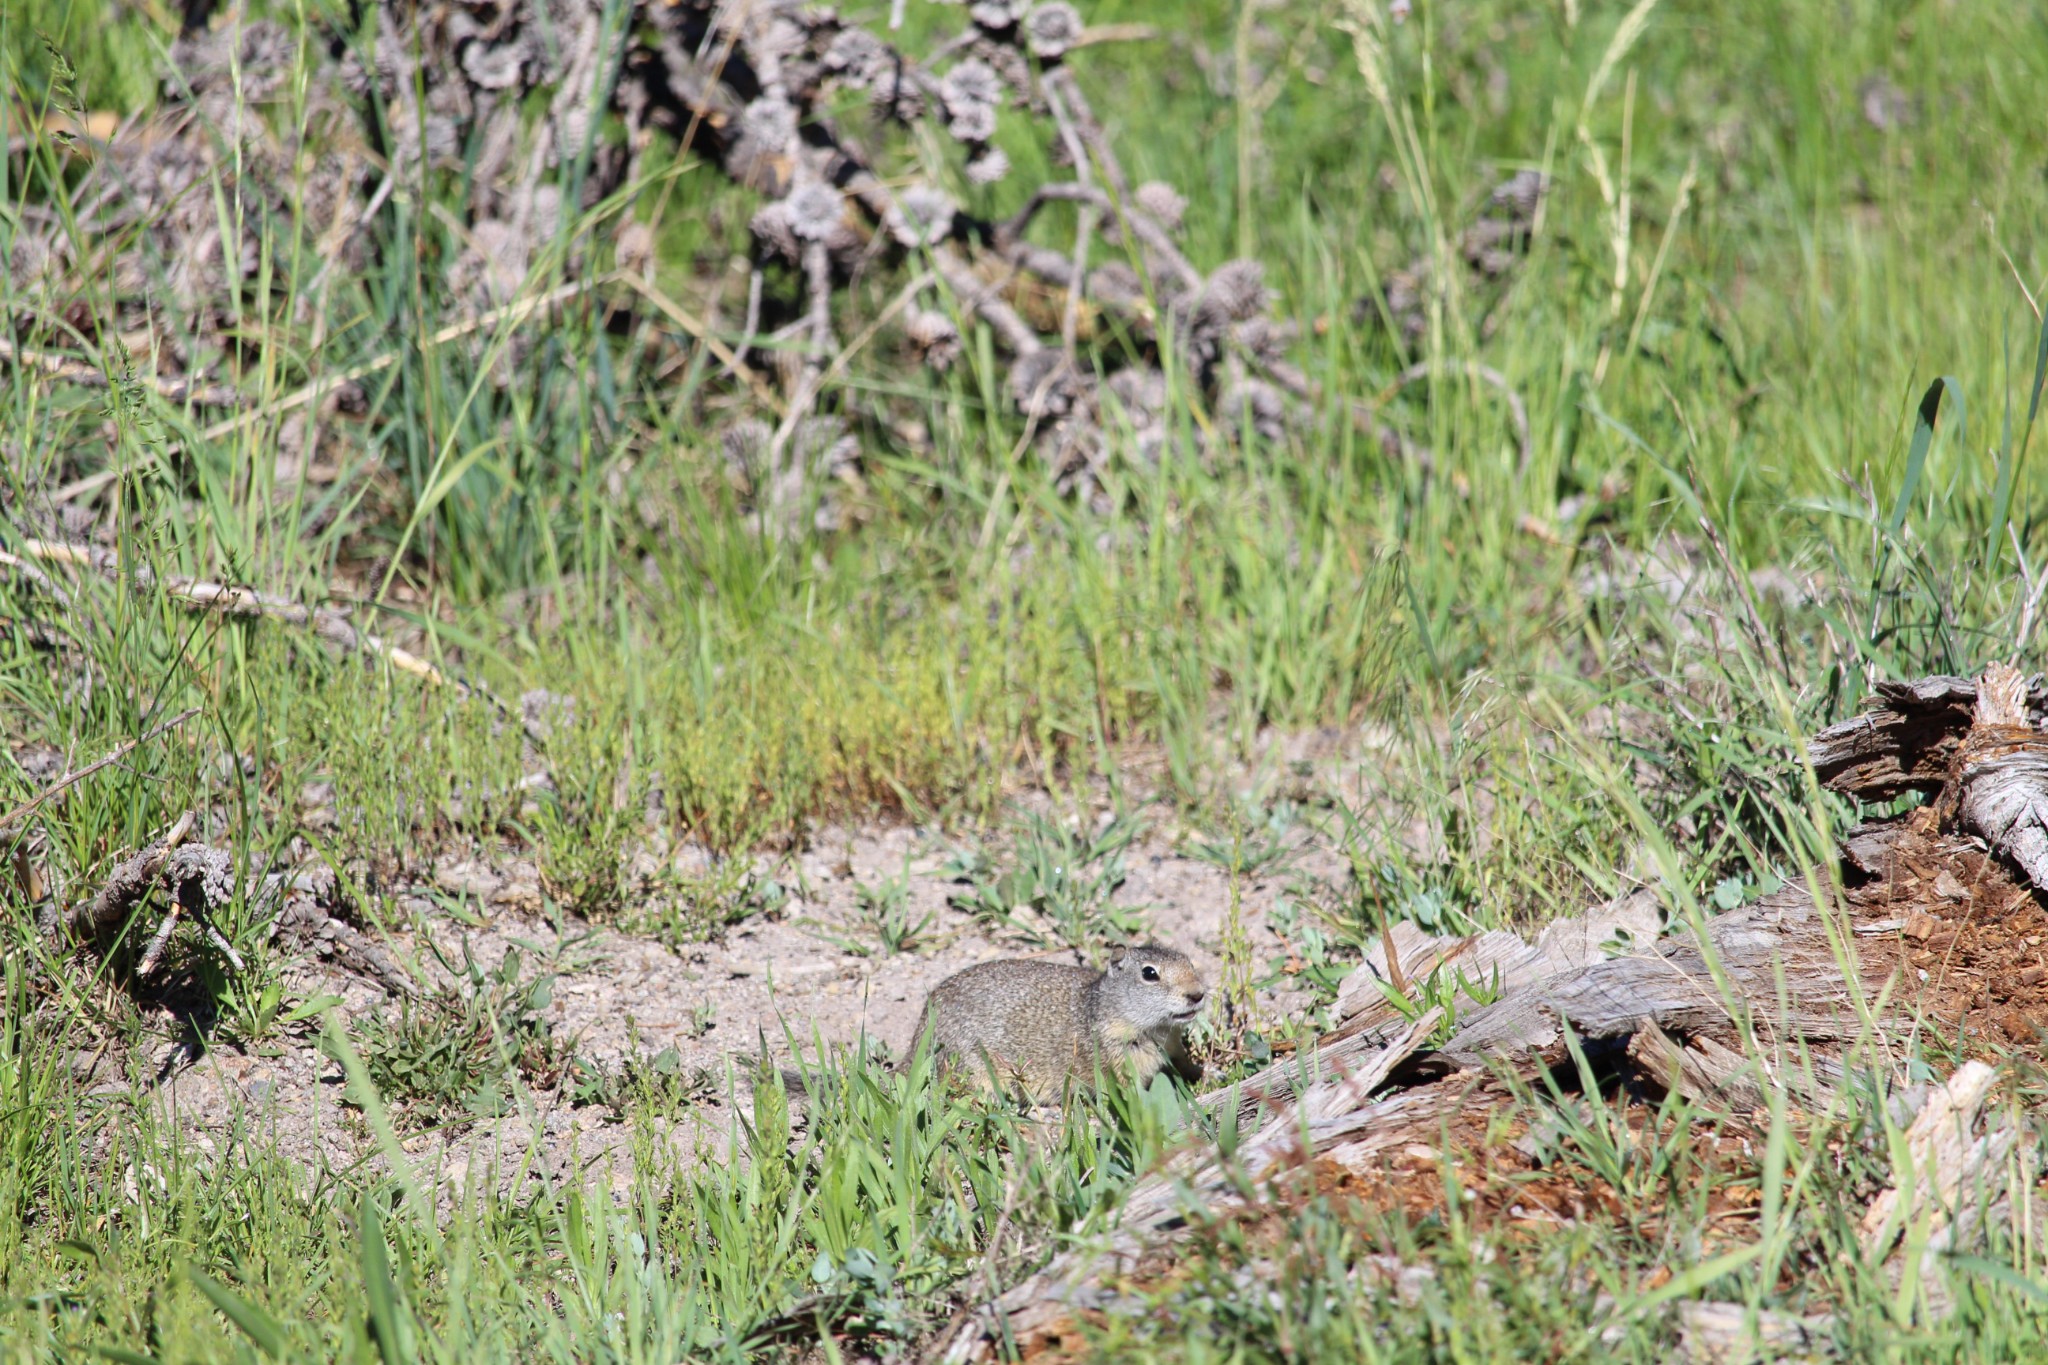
[1046,1024]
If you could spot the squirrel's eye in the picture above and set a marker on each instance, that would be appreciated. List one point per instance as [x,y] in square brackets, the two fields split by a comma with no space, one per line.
[1150,973]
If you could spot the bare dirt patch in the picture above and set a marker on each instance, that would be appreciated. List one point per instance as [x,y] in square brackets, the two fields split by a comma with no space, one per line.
[790,980]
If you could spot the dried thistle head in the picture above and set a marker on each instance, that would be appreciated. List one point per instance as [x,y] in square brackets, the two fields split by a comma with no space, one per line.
[1235,292]
[971,92]
[823,443]
[858,58]
[922,216]
[771,227]
[633,247]
[995,16]
[987,166]
[1266,340]
[1162,203]
[1115,282]
[1043,385]
[815,211]
[210,871]
[1520,195]
[495,66]
[1140,391]
[1258,405]
[769,121]
[933,337]
[1052,30]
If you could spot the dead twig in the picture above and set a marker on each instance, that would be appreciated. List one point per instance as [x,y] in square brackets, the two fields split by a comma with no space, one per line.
[229,599]
[512,313]
[1084,221]
[735,362]
[786,470]
[163,933]
[71,779]
[72,370]
[977,296]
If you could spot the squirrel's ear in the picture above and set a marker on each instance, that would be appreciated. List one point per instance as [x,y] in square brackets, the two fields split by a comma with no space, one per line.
[1117,951]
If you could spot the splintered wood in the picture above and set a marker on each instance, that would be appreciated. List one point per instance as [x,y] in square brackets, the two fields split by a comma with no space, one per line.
[1737,1011]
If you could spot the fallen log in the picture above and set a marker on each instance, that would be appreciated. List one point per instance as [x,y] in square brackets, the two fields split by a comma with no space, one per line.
[1709,1011]
[1701,1010]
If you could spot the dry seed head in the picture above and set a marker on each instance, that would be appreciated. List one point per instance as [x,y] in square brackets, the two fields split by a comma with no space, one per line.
[923,216]
[934,337]
[1052,29]
[770,122]
[815,211]
[995,15]
[987,166]
[971,83]
[1163,203]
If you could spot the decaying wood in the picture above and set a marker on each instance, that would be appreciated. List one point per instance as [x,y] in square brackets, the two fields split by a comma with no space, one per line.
[132,879]
[303,921]
[1499,960]
[1702,1069]
[1713,1333]
[1769,963]
[1905,739]
[328,623]
[72,370]
[2000,782]
[1902,741]
[1949,1160]
[1979,744]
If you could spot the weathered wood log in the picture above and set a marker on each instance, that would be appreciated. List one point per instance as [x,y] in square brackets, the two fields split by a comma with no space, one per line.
[1902,741]
[1702,1069]
[2001,774]
[1906,737]
[1950,1159]
[1679,985]
[1715,1333]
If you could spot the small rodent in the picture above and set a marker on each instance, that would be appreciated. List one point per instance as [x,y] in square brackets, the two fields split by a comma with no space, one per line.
[1046,1025]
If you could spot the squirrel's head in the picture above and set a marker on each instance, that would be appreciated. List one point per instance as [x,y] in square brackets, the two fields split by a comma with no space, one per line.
[1153,987]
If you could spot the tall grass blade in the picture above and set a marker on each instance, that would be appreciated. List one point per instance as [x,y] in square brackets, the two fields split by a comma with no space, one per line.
[390,1323]
[2010,460]
[267,1332]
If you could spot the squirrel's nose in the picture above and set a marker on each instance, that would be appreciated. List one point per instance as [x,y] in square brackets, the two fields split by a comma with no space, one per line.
[1195,997]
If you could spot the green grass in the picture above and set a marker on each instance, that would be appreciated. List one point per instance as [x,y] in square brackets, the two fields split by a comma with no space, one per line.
[1753,366]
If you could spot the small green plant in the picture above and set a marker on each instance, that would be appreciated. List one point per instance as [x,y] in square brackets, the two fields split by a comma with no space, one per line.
[692,908]
[642,1086]
[882,924]
[1255,842]
[1056,889]
[1447,987]
[454,1053]
[259,1014]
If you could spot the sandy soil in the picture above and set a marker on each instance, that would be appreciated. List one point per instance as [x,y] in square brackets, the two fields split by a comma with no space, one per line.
[777,977]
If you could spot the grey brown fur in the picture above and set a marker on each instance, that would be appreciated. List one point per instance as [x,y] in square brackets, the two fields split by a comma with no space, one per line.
[1043,1026]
